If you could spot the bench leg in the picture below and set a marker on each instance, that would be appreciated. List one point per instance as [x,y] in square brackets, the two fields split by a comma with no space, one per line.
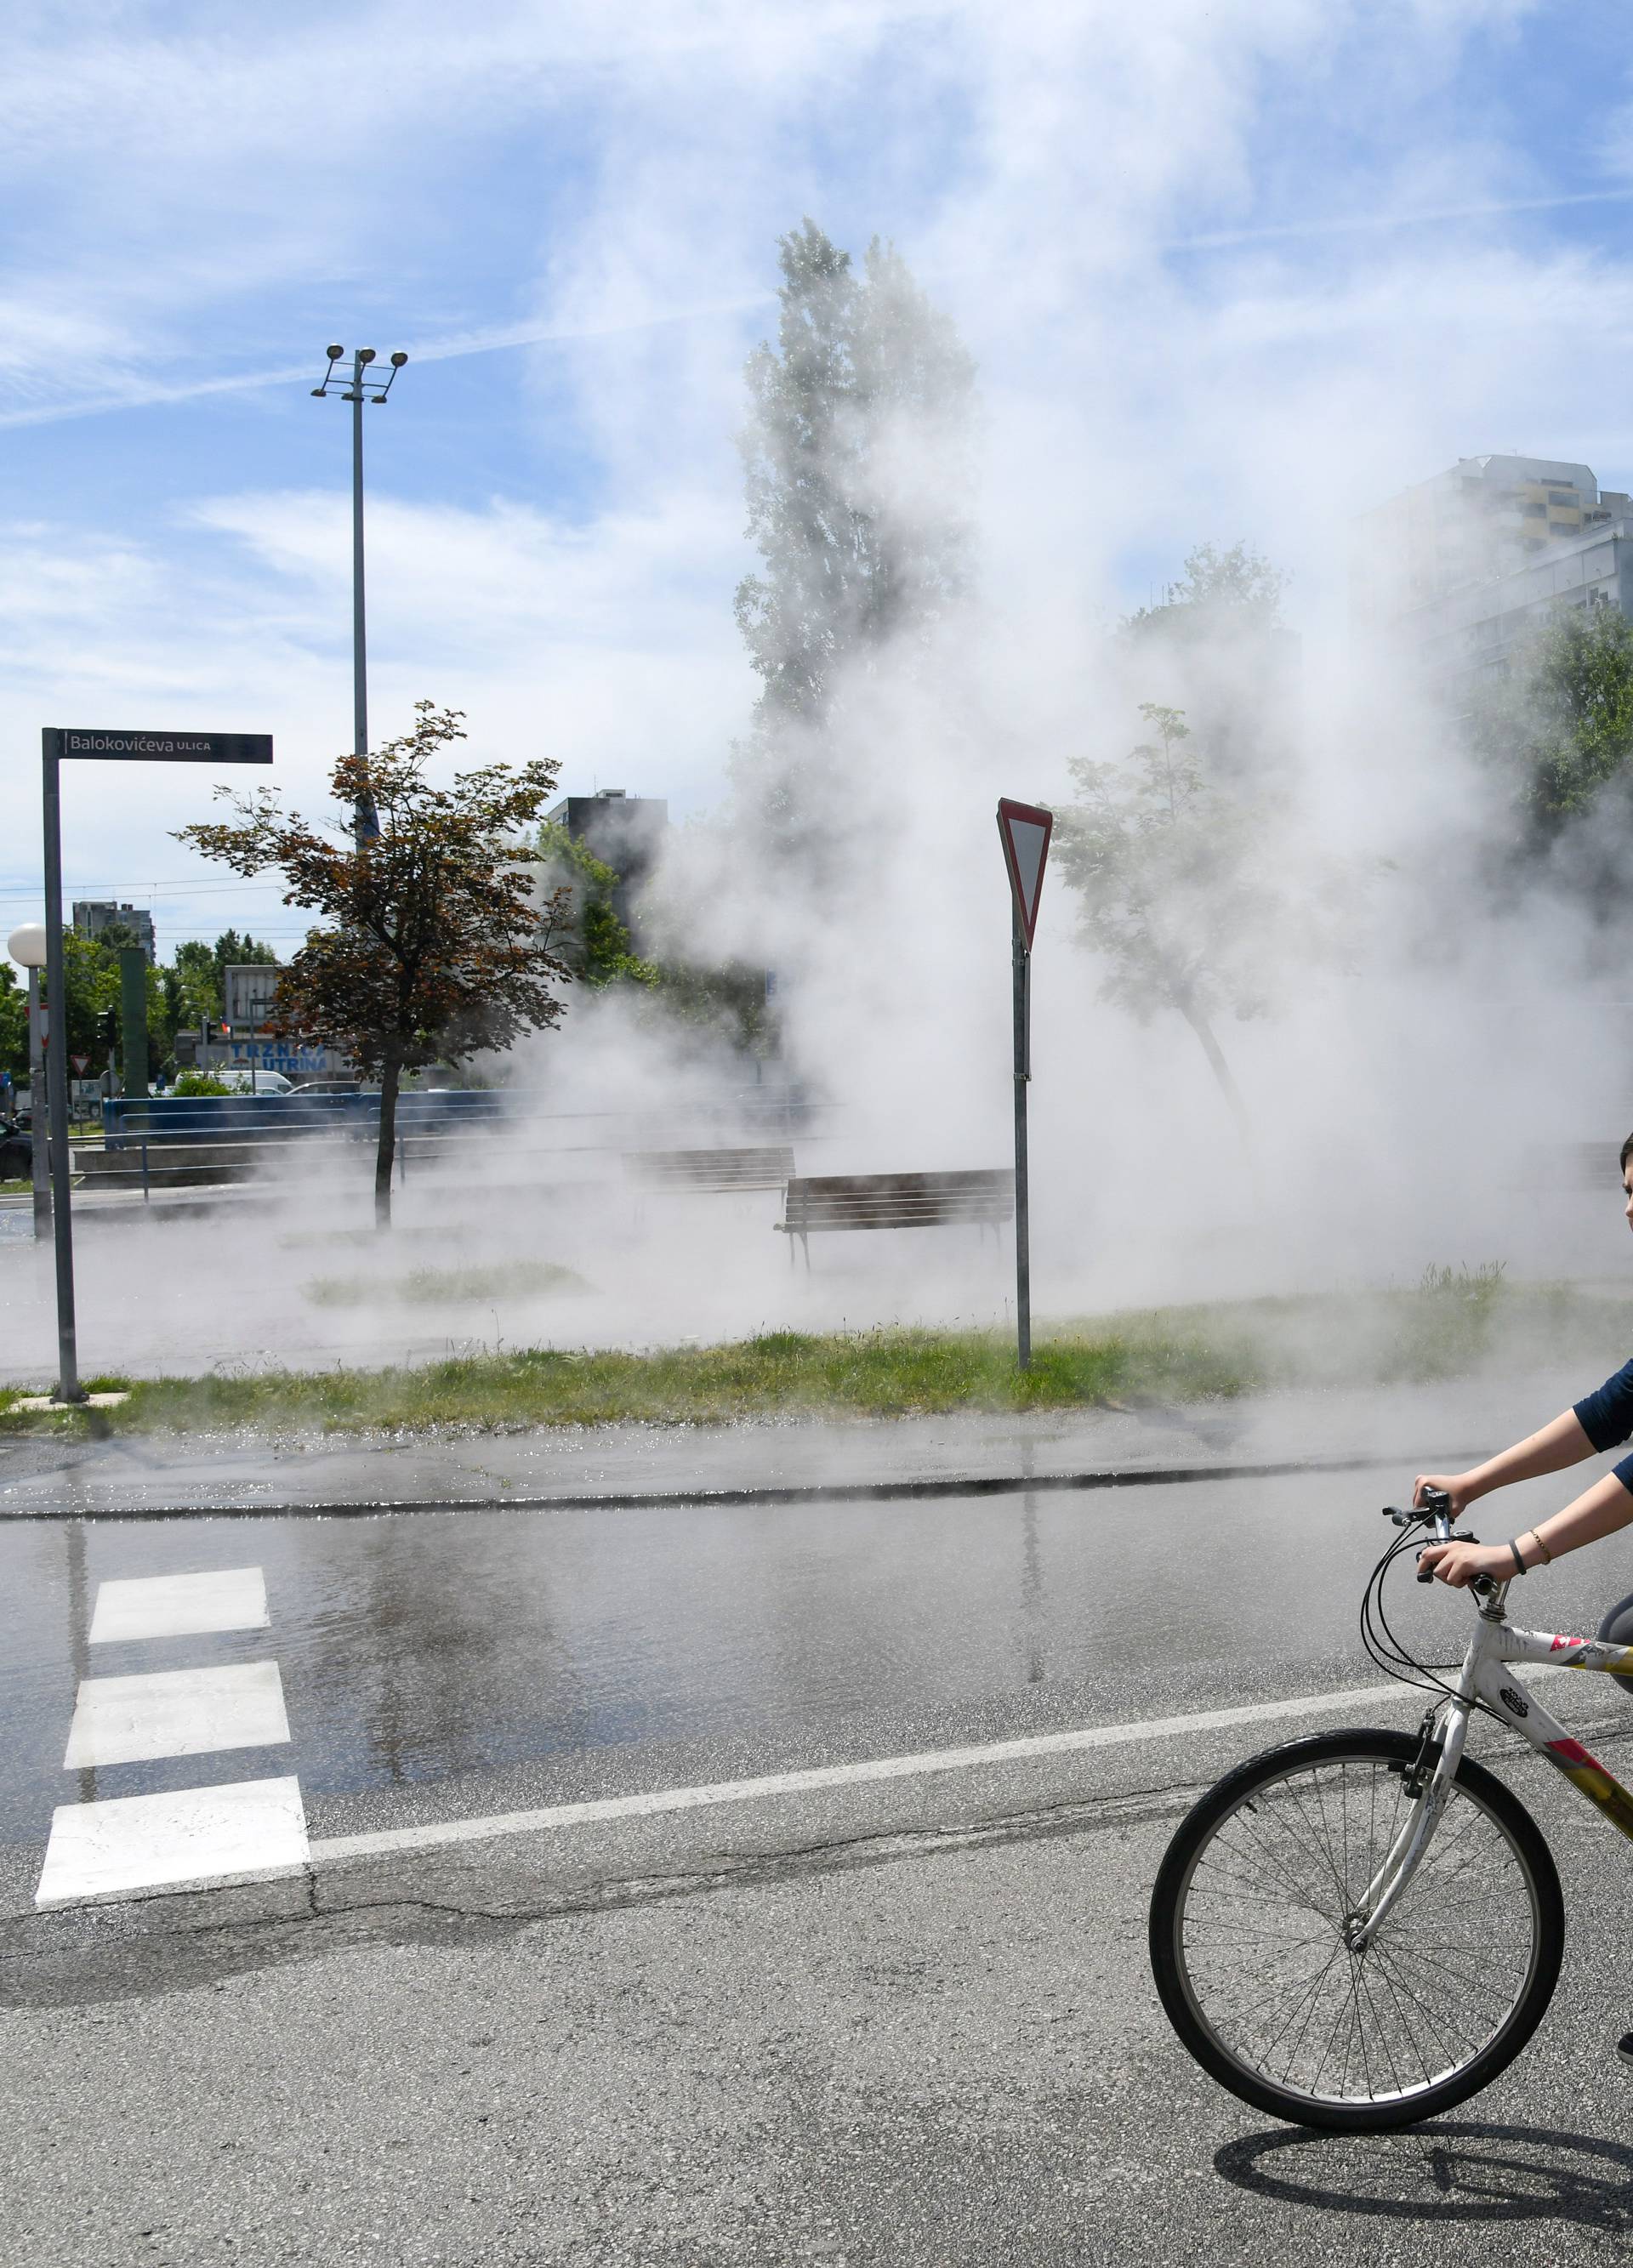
[806,1241]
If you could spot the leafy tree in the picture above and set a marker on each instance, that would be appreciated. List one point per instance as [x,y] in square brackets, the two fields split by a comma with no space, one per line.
[437,943]
[597,946]
[193,990]
[1177,888]
[1230,591]
[232,950]
[192,987]
[13,1023]
[1557,731]
[1217,648]
[853,458]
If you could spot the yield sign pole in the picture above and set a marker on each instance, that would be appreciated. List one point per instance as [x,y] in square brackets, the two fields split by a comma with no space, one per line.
[1024,829]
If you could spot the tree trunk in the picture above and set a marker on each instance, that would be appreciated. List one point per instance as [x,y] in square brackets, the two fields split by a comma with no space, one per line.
[385,1157]
[1229,1088]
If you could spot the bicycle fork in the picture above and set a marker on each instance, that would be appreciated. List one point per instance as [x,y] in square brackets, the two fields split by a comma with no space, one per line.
[1401,1860]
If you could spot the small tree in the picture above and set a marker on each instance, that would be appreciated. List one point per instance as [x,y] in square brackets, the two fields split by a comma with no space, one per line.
[1178,889]
[436,942]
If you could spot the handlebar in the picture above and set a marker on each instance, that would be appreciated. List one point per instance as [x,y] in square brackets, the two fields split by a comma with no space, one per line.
[1436,1511]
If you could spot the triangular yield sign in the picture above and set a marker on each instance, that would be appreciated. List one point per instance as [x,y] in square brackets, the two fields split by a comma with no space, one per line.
[79,1063]
[1024,829]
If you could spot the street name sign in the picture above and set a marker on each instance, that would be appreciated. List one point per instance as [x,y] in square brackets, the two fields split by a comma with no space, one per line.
[160,747]
[61,744]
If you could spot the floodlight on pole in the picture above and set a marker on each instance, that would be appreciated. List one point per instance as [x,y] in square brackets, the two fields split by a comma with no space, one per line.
[352,386]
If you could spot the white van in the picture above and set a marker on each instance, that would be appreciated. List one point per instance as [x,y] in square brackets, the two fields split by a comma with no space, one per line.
[238,1079]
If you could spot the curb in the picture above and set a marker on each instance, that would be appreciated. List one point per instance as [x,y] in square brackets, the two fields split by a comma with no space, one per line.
[813,1492]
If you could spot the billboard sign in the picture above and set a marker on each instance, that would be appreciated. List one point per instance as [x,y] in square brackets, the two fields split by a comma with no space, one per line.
[251,989]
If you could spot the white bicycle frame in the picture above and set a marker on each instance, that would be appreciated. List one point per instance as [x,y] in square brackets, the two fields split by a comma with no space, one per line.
[1486,1677]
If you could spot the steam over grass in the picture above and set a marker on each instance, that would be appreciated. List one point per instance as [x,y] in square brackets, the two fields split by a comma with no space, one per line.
[426,1287]
[1453,1322]
[876,1374]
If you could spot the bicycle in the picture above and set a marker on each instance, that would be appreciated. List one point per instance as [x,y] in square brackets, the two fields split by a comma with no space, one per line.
[1302,1921]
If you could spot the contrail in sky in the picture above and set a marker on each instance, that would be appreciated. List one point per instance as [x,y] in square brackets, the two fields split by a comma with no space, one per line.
[495,341]
[1217,239]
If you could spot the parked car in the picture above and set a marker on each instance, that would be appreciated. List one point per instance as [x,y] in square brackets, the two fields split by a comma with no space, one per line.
[17,1151]
[328,1087]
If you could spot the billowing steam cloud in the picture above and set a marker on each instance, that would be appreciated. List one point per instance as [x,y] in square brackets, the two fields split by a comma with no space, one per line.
[1190,322]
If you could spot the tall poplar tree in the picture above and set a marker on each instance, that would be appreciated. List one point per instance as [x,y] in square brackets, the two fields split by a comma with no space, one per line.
[855,456]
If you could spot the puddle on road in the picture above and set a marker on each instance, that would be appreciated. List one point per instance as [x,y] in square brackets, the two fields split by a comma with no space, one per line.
[415,1648]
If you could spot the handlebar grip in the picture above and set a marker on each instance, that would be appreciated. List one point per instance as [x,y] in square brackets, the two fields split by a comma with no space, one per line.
[1425,1574]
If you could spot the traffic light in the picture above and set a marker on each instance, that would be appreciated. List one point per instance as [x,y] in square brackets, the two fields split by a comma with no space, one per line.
[107,1026]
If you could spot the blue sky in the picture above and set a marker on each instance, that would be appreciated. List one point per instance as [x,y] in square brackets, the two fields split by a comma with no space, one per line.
[1228,269]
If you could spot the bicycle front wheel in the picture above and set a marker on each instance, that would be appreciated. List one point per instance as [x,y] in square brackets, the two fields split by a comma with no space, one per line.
[1256,1974]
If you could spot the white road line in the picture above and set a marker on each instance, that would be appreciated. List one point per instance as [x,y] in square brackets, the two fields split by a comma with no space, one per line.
[180,1606]
[853,1775]
[176,1712]
[168,1842]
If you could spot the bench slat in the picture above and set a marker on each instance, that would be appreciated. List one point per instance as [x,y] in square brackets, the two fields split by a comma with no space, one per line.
[713,1171]
[864,1201]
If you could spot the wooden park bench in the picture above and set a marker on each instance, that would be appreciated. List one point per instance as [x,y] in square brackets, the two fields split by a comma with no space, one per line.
[715,1172]
[855,1201]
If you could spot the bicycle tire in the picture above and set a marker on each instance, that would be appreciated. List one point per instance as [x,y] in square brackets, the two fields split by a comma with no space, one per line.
[1305,2104]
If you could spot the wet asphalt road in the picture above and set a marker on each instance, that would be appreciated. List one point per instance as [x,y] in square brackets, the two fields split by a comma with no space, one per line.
[905,2026]
[475,1661]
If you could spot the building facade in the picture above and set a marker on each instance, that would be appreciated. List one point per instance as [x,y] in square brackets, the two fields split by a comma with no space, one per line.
[93,915]
[1464,568]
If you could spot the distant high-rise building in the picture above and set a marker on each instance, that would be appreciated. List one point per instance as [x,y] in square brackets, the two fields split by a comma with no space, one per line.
[93,915]
[1464,567]
[625,832]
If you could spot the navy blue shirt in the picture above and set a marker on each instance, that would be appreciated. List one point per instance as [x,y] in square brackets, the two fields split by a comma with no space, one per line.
[1605,1416]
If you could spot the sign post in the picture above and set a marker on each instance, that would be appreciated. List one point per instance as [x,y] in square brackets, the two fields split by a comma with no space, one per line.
[1024,829]
[59,744]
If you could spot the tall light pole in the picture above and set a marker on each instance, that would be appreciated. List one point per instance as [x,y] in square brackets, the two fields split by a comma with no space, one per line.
[355,386]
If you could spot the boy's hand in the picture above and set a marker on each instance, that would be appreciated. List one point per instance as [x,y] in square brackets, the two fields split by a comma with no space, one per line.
[1458,1563]
[1455,1486]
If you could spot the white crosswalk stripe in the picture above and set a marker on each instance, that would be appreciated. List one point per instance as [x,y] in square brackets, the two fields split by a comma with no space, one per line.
[163,1842]
[180,1606]
[116,1846]
[176,1712]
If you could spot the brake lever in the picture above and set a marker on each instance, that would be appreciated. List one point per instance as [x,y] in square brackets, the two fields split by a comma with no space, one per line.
[1460,1535]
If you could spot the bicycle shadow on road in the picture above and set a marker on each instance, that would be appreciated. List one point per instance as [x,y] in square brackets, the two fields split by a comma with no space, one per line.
[1442,2173]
